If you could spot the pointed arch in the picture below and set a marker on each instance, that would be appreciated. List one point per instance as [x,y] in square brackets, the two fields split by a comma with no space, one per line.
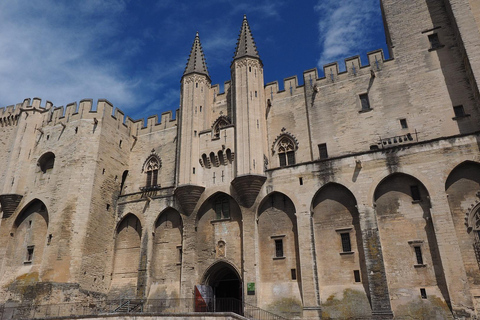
[407,235]
[463,190]
[167,254]
[219,123]
[127,251]
[151,167]
[285,145]
[219,219]
[338,243]
[29,231]
[279,258]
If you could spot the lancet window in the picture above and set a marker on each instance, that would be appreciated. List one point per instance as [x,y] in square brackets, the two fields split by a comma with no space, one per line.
[151,168]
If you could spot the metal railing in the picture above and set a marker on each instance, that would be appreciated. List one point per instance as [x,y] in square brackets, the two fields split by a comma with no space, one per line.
[135,306]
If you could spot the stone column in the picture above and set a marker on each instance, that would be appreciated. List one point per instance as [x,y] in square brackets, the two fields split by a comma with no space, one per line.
[249,253]
[308,266]
[377,279]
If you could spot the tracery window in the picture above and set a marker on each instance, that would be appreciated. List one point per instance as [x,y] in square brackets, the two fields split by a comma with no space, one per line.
[220,123]
[151,168]
[152,172]
[286,151]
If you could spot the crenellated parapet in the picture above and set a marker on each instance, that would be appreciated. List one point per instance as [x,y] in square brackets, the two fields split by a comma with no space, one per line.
[86,110]
[331,74]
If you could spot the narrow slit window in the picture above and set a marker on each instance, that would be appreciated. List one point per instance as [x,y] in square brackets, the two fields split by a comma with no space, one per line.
[423,293]
[346,244]
[293,274]
[418,255]
[29,257]
[356,275]
[179,254]
[278,248]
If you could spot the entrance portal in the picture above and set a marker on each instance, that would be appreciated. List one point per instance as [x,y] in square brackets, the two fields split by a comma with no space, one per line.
[227,287]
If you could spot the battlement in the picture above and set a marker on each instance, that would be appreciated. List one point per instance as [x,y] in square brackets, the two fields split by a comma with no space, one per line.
[331,74]
[85,109]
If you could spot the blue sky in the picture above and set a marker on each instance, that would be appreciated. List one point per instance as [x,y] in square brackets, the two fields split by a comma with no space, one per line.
[133,53]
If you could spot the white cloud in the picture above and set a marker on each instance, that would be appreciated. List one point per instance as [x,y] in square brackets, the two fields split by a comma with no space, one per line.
[57,53]
[344,27]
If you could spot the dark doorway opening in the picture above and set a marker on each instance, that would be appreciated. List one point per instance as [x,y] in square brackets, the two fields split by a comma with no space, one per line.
[227,288]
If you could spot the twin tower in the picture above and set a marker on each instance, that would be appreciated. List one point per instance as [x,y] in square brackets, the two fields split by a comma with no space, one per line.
[222,137]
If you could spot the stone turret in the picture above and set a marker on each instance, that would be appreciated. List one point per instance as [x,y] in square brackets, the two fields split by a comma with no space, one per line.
[249,115]
[195,85]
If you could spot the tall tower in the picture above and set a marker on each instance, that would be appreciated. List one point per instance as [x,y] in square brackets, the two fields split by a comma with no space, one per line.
[248,105]
[195,84]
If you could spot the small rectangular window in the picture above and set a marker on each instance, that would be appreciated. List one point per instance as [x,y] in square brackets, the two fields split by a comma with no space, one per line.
[415,192]
[434,41]
[29,254]
[418,255]
[423,293]
[365,102]
[300,180]
[459,111]
[293,274]
[278,248]
[356,274]
[322,149]
[346,244]
[403,123]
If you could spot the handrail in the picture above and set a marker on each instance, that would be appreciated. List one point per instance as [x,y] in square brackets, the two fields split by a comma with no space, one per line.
[134,306]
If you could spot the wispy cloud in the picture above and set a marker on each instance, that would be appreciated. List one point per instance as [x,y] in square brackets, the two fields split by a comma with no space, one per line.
[344,27]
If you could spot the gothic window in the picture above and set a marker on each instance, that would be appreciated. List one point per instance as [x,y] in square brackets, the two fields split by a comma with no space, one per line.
[220,123]
[222,208]
[286,152]
[150,168]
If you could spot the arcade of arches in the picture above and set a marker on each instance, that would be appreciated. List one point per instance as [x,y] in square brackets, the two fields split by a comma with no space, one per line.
[231,250]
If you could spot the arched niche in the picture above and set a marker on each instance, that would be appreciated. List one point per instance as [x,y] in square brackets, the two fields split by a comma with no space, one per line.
[167,255]
[127,255]
[463,189]
[219,219]
[46,161]
[30,235]
[339,248]
[409,244]
[278,253]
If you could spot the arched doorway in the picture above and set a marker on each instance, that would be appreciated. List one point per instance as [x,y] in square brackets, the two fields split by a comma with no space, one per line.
[226,286]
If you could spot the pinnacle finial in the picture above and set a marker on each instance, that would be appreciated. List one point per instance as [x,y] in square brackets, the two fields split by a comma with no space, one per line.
[245,43]
[196,61]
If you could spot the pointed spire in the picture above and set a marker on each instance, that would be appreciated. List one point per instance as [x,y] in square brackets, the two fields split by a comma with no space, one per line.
[196,61]
[246,45]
